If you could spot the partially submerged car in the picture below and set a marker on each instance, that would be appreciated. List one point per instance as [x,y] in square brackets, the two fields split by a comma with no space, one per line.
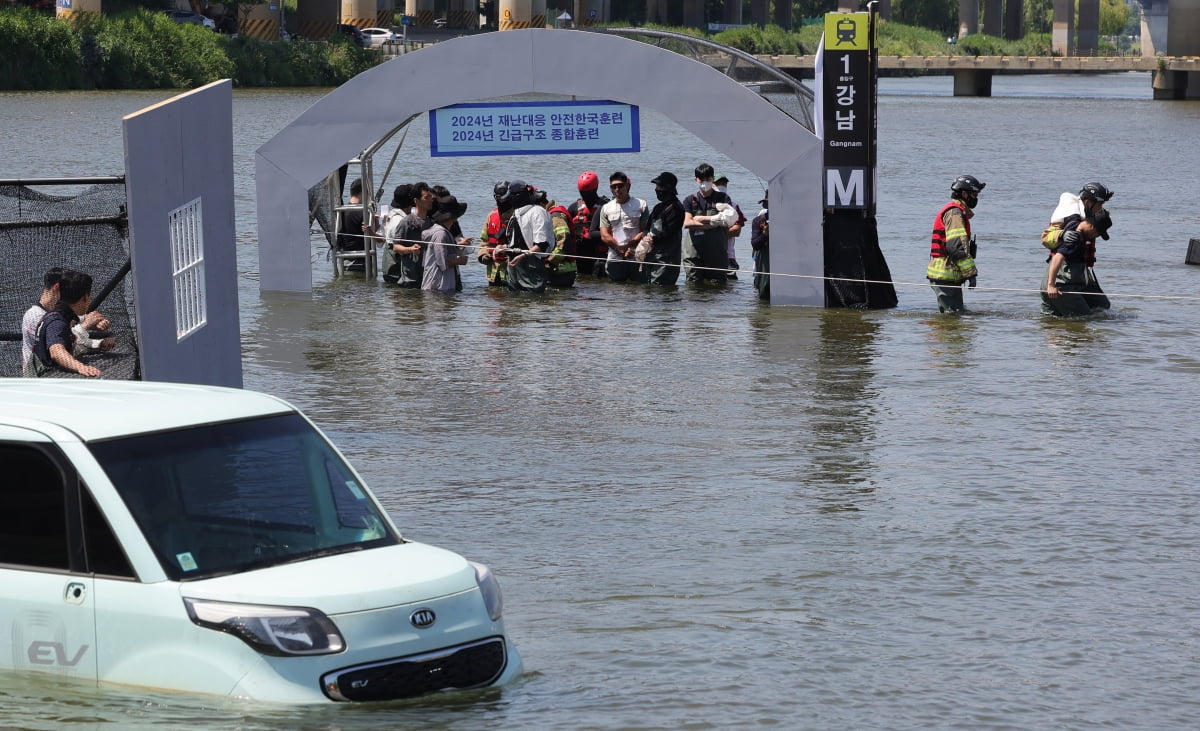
[212,540]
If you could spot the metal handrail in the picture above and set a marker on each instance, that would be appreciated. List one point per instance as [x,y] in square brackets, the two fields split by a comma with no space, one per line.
[692,44]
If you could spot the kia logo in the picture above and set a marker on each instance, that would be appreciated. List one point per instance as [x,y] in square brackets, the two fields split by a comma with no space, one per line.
[423,618]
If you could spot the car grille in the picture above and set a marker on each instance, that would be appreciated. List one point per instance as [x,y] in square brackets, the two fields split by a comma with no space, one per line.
[465,666]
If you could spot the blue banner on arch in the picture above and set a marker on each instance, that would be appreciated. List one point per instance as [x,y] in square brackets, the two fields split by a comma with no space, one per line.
[534,128]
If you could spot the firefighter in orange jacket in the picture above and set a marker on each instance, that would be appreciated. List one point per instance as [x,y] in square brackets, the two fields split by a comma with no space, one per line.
[952,247]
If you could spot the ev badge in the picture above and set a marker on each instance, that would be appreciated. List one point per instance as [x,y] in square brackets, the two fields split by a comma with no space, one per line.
[423,618]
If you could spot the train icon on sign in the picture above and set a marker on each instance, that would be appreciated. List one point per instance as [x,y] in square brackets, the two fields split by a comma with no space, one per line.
[847,30]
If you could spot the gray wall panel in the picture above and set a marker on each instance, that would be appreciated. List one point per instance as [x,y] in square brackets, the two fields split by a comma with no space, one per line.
[176,152]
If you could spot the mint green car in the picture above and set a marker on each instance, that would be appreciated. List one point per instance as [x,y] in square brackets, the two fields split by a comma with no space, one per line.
[212,540]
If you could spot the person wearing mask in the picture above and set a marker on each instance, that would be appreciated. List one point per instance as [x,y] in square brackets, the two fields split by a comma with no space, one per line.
[404,239]
[952,247]
[443,255]
[665,256]
[760,242]
[530,239]
[722,184]
[624,222]
[705,253]
[585,219]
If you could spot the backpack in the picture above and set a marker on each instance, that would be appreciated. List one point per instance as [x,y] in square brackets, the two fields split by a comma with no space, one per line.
[1052,236]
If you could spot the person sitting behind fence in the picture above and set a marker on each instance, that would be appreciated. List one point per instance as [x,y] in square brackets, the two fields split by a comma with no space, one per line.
[84,343]
[55,341]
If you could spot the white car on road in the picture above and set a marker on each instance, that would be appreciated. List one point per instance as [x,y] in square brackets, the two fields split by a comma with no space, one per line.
[212,540]
[380,36]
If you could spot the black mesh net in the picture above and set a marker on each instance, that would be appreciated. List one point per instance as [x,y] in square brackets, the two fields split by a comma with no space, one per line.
[86,232]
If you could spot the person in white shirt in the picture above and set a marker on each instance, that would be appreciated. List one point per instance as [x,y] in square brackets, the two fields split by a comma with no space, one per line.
[84,342]
[624,222]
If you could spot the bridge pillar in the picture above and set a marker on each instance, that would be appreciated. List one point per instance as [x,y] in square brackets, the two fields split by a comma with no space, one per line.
[462,14]
[357,12]
[1014,20]
[993,17]
[262,23]
[972,82]
[316,19]
[760,13]
[733,12]
[514,14]
[968,17]
[783,14]
[1062,36]
[1153,17]
[1088,35]
[1183,32]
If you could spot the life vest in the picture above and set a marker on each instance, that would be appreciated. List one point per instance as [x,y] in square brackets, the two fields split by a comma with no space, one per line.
[495,233]
[941,268]
[581,222]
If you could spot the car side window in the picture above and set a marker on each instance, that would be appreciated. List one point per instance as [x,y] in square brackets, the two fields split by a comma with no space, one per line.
[104,553]
[33,523]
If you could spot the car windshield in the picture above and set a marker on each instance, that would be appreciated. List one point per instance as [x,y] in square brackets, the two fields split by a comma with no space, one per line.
[225,498]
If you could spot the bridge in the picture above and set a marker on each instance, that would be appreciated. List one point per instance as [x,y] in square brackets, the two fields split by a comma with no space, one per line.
[973,74]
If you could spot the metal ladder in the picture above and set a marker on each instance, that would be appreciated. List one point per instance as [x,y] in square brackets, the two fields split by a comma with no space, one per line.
[367,206]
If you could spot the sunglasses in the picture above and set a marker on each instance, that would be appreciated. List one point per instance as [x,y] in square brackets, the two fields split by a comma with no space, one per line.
[614,186]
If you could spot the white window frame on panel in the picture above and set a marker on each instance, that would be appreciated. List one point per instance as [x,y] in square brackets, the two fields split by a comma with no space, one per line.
[187,268]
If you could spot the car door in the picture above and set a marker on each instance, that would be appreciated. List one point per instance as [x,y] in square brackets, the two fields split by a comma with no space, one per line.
[47,621]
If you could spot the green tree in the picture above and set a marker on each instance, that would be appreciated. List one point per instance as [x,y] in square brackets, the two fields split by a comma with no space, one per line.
[939,15]
[1114,15]
[1039,16]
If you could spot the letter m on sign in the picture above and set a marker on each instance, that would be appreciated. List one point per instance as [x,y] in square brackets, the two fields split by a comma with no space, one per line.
[845,187]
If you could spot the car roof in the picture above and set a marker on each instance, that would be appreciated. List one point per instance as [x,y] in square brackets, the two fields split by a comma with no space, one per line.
[104,409]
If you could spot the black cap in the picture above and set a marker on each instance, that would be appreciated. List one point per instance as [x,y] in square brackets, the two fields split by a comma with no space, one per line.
[448,207]
[666,180]
[720,179]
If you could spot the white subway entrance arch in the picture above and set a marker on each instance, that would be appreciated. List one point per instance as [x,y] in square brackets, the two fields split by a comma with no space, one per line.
[734,120]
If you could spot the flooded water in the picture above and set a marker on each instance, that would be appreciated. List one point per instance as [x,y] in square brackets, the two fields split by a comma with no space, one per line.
[710,513]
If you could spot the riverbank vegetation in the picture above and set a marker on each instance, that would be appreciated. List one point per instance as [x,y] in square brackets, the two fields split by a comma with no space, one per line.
[142,49]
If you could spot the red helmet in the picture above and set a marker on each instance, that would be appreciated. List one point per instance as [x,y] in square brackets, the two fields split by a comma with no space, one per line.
[588,181]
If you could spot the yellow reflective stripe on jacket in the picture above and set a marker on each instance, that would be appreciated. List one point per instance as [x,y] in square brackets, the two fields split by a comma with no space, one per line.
[959,232]
[943,269]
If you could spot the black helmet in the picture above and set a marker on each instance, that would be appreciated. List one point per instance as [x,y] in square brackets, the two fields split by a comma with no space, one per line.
[967,184]
[1096,192]
[500,190]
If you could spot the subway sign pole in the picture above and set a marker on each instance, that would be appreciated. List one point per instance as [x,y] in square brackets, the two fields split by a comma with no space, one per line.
[858,274]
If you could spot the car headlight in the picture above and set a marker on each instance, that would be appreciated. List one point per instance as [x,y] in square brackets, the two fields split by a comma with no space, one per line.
[277,631]
[490,588]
